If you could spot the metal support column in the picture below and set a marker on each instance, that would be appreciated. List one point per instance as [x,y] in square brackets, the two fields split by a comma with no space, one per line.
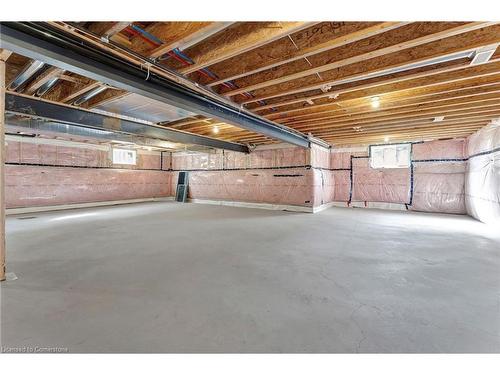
[2,169]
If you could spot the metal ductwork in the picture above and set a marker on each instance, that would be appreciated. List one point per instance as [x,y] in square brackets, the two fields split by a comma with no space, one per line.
[29,71]
[55,47]
[38,126]
[35,108]
[89,95]
[46,86]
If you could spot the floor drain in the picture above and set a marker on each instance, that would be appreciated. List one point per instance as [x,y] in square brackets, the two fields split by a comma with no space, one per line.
[26,217]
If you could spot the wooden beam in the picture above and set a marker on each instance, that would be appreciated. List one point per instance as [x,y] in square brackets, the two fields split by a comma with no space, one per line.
[2,167]
[237,39]
[297,54]
[183,122]
[406,125]
[177,35]
[383,63]
[444,76]
[410,96]
[419,136]
[42,79]
[81,91]
[188,36]
[110,30]
[409,134]
[455,115]
[67,77]
[115,29]
[477,107]
[4,54]
[366,109]
[449,131]
[107,29]
[342,87]
[105,97]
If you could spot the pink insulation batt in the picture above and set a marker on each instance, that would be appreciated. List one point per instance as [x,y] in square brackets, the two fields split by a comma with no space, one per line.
[379,185]
[275,186]
[255,177]
[31,185]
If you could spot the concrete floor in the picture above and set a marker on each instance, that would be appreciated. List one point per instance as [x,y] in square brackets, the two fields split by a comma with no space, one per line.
[169,277]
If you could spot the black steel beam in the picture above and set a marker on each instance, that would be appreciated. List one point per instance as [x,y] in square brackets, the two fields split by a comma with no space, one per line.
[36,108]
[42,42]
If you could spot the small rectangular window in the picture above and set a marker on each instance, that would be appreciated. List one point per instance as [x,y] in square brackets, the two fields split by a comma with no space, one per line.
[122,156]
[390,156]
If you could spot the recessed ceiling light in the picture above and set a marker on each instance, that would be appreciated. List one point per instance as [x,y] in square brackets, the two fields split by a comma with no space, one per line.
[375,102]
[438,118]
[386,139]
[215,129]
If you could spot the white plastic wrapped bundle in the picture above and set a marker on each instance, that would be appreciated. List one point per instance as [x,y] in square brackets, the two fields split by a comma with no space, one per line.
[482,183]
[482,188]
[439,187]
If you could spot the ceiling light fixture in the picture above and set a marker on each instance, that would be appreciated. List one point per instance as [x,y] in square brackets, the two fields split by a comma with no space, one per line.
[483,55]
[386,139]
[375,102]
[215,129]
[438,119]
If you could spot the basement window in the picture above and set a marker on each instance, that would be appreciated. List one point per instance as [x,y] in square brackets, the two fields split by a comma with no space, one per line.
[390,156]
[123,156]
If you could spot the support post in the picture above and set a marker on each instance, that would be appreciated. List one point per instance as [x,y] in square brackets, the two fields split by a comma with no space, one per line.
[2,168]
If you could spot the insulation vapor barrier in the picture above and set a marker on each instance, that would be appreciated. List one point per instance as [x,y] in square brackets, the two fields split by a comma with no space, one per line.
[57,173]
[273,176]
[434,181]
[272,186]
[482,183]
[379,185]
[32,186]
[439,176]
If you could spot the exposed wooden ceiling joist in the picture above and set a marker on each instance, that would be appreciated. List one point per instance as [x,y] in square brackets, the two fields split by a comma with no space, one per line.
[413,95]
[432,79]
[184,37]
[297,53]
[423,49]
[317,78]
[4,54]
[237,39]
[436,102]
[42,79]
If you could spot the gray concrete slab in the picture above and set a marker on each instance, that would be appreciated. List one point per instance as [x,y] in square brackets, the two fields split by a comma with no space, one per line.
[169,277]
